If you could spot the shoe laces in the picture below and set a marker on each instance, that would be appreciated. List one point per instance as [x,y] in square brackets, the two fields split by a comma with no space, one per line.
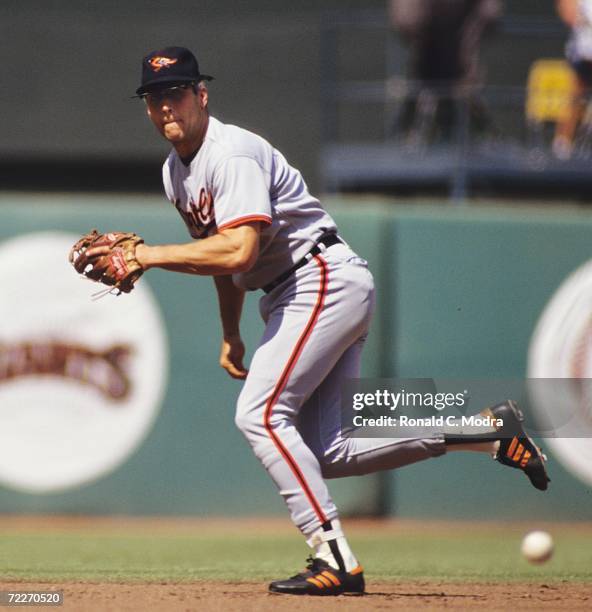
[313,564]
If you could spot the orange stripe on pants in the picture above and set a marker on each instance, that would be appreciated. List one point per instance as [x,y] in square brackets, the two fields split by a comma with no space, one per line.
[282,382]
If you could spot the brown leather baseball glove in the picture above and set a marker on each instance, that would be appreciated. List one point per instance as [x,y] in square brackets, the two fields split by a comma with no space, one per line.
[115,263]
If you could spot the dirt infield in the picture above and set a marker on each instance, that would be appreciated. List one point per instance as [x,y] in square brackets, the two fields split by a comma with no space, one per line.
[243,597]
[108,589]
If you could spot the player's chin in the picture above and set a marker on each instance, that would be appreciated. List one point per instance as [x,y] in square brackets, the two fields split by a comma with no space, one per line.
[173,132]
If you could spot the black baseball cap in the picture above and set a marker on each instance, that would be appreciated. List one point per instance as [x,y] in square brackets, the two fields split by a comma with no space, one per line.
[168,66]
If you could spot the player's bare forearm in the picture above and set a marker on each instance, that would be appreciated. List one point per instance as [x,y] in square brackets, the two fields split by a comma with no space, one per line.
[232,351]
[230,300]
[229,251]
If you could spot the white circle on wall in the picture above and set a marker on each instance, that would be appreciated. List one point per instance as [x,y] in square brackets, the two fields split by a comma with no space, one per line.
[81,381]
[561,348]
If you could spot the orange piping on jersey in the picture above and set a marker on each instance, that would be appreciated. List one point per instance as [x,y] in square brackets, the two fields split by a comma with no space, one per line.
[281,384]
[243,220]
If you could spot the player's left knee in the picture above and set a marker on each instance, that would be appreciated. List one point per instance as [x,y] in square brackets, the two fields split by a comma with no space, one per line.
[331,470]
[337,464]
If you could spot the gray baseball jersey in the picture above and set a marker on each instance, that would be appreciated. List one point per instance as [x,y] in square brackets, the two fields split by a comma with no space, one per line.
[238,177]
[316,320]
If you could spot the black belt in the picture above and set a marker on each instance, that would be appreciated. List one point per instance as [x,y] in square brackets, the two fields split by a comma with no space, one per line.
[327,240]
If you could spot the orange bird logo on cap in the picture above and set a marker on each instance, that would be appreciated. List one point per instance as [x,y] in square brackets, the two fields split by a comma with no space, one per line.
[158,62]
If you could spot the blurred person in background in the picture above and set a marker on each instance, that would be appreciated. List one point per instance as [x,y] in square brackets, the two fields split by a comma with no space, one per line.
[577,15]
[444,37]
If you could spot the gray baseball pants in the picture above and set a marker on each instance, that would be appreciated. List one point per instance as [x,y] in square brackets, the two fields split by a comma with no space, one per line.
[289,407]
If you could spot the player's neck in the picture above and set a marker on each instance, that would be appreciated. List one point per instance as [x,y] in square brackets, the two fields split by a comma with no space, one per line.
[187,159]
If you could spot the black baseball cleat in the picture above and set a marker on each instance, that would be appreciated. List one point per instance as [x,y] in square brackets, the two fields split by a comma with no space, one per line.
[517,449]
[320,578]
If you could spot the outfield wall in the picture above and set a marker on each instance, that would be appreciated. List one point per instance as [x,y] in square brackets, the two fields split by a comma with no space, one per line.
[459,292]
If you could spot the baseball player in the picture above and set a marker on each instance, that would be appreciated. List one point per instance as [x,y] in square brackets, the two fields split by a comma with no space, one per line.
[257,227]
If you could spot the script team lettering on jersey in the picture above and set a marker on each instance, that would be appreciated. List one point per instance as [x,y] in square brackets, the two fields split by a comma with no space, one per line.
[199,217]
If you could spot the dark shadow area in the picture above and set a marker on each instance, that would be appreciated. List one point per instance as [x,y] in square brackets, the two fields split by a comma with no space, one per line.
[90,175]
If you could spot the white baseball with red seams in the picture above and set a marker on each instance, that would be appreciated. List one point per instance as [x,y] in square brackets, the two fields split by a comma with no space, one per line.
[316,320]
[537,546]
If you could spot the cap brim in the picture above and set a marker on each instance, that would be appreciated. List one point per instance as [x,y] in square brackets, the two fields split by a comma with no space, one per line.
[168,81]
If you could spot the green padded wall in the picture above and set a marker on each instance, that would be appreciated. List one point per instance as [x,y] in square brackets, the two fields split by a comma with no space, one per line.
[459,292]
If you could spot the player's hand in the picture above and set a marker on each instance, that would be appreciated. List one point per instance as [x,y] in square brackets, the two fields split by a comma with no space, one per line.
[231,356]
[108,258]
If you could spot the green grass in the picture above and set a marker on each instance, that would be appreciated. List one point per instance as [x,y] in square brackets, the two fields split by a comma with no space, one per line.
[218,555]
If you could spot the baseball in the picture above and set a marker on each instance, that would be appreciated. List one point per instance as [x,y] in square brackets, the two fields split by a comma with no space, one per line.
[537,546]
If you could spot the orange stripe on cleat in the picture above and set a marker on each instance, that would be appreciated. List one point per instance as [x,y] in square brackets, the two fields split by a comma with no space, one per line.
[357,570]
[518,453]
[525,459]
[324,580]
[316,582]
[512,447]
[332,578]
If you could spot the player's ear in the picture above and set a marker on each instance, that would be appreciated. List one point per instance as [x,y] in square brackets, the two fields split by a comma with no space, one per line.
[202,94]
